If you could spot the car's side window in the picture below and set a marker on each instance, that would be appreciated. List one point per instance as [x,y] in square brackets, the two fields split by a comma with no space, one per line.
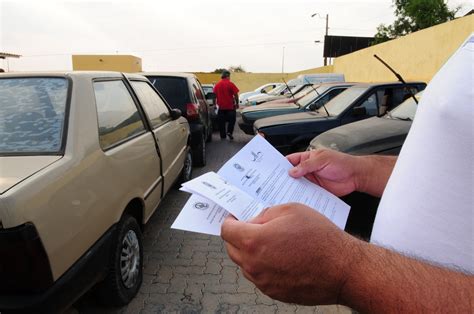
[198,92]
[401,94]
[370,105]
[268,88]
[154,106]
[117,113]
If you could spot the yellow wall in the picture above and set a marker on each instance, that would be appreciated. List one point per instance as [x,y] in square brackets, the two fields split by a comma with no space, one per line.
[121,63]
[417,56]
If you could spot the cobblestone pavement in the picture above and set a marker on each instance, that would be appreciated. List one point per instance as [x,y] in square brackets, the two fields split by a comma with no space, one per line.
[187,272]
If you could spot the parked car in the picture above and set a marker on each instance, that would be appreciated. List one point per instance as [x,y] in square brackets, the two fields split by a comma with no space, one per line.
[288,97]
[280,90]
[313,100]
[211,102]
[377,135]
[184,92]
[264,89]
[86,158]
[293,132]
[318,78]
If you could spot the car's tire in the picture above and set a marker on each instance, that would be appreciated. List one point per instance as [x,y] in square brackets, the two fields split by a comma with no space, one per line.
[199,152]
[187,171]
[209,136]
[125,272]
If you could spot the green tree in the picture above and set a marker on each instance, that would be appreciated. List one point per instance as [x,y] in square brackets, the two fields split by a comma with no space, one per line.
[413,15]
[237,69]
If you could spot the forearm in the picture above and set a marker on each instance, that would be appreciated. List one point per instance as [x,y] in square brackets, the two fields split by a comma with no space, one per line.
[382,281]
[373,173]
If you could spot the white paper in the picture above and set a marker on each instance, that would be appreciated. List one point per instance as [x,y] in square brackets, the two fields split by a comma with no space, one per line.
[215,188]
[253,179]
[200,215]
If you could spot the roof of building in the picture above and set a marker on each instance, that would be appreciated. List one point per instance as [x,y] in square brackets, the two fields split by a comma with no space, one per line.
[4,55]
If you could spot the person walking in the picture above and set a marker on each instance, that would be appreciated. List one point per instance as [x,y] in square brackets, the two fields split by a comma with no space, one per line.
[227,95]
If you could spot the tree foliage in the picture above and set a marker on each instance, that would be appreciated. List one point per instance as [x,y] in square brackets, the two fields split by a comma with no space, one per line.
[233,68]
[414,15]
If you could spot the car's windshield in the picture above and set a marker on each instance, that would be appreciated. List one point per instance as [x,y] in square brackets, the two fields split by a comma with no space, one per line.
[207,89]
[295,89]
[308,98]
[340,103]
[174,89]
[32,115]
[406,110]
[304,91]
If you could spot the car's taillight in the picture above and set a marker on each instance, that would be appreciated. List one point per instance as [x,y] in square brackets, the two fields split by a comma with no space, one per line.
[24,265]
[192,111]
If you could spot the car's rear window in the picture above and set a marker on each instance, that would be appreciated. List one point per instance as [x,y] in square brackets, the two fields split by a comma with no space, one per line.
[32,115]
[174,89]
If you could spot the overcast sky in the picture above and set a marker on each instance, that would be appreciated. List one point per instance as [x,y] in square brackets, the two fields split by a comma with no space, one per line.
[192,35]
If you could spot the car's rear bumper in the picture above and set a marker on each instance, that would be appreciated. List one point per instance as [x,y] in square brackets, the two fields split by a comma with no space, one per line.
[85,273]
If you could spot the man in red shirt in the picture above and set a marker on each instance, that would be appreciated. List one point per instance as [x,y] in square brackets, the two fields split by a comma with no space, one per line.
[227,95]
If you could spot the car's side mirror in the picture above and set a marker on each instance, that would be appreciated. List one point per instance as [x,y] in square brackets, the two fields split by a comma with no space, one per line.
[264,91]
[211,95]
[359,111]
[175,114]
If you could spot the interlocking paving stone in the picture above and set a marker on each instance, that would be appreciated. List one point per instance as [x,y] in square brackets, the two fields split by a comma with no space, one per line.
[186,272]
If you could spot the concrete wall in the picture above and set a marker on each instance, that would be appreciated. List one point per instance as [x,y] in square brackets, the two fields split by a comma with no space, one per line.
[121,63]
[417,56]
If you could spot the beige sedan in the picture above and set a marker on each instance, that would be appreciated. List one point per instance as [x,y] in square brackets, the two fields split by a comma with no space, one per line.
[85,159]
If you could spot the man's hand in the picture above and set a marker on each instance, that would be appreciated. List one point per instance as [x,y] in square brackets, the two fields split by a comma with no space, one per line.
[334,171]
[341,173]
[292,253]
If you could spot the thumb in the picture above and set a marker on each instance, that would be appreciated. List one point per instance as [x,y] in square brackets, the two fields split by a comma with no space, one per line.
[310,165]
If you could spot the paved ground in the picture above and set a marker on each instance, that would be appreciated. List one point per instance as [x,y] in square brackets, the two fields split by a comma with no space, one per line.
[190,273]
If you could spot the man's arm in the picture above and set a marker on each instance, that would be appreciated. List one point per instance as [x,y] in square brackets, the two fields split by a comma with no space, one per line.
[341,173]
[383,281]
[294,254]
[236,100]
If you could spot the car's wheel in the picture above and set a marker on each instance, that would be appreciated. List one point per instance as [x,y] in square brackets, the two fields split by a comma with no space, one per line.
[199,153]
[125,274]
[209,136]
[187,168]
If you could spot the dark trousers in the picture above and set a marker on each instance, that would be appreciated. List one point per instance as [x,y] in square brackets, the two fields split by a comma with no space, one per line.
[224,116]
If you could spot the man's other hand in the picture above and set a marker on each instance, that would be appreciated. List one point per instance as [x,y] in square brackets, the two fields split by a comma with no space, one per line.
[336,172]
[292,253]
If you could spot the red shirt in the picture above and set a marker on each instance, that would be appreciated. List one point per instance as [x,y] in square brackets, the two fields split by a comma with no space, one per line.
[225,91]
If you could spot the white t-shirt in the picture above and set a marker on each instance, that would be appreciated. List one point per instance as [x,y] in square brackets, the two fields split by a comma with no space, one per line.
[427,209]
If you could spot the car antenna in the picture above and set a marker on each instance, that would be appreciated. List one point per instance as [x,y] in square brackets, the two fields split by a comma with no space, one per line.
[289,89]
[312,87]
[399,77]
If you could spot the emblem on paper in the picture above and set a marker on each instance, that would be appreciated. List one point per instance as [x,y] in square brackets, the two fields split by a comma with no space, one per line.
[257,156]
[239,167]
[201,206]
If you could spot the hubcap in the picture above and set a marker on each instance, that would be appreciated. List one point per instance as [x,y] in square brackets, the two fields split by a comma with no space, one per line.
[130,259]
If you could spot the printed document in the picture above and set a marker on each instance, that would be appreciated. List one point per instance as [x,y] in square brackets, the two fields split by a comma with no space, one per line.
[253,179]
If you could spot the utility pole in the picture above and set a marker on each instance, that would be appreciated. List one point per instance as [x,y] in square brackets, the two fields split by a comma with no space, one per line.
[283,61]
[327,31]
